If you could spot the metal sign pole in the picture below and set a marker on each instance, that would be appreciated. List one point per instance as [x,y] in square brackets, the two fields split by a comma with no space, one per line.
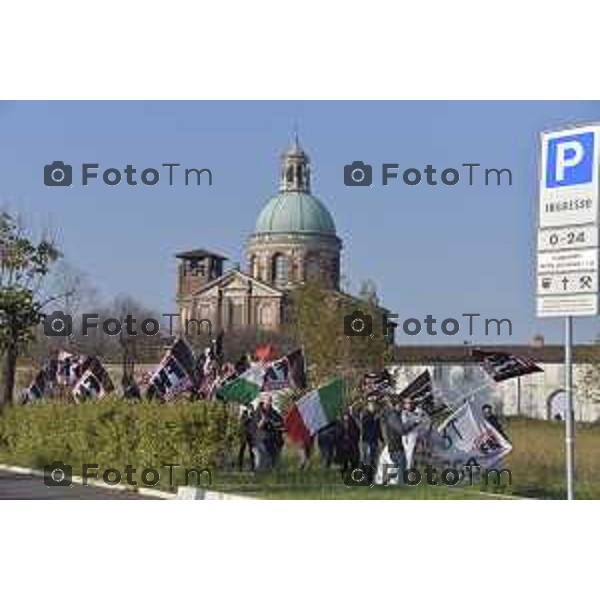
[569,412]
[568,249]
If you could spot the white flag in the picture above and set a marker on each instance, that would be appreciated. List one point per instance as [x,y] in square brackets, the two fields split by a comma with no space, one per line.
[465,437]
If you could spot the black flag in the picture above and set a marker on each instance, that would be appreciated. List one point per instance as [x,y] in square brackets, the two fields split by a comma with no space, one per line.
[217,347]
[38,388]
[501,366]
[286,372]
[175,373]
[377,384]
[421,392]
[94,383]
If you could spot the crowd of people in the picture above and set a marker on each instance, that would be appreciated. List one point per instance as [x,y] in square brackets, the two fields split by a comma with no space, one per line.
[358,435]
[262,436]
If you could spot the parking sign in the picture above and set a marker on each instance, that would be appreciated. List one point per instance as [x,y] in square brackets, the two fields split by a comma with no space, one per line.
[569,177]
[568,254]
[570,160]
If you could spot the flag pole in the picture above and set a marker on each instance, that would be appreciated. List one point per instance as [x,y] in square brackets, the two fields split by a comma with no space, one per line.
[305,360]
[569,413]
[465,397]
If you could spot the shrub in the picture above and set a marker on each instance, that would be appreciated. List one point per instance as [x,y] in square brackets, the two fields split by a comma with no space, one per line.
[113,433]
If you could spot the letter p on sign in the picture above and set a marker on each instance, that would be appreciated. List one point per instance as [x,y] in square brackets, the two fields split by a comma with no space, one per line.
[570,160]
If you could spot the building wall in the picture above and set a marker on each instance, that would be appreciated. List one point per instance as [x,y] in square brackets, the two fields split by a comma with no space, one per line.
[236,304]
[539,395]
[304,252]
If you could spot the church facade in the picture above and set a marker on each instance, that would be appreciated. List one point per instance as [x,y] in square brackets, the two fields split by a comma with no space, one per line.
[294,241]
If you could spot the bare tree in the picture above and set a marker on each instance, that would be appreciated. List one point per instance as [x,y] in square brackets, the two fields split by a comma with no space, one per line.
[25,266]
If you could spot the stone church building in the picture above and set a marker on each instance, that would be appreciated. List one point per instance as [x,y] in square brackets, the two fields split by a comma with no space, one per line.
[294,240]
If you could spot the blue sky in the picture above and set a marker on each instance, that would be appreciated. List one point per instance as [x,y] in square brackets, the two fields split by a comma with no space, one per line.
[430,250]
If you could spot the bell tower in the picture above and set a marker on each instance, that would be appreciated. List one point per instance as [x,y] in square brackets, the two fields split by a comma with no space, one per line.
[294,239]
[196,269]
[295,169]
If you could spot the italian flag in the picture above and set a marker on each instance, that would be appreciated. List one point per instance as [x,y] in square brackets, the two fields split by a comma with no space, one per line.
[314,411]
[246,387]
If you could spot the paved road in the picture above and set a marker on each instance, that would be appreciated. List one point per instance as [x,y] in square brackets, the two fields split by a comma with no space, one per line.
[15,486]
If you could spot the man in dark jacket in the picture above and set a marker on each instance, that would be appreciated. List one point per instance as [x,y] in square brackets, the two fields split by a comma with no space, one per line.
[248,437]
[370,434]
[326,442]
[270,427]
[395,429]
[492,419]
[347,441]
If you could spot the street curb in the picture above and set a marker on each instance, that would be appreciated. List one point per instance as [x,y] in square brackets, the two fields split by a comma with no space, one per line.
[142,491]
[192,493]
[198,493]
[183,492]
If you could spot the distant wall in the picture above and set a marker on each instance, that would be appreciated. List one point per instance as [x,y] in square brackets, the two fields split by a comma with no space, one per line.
[25,374]
[539,395]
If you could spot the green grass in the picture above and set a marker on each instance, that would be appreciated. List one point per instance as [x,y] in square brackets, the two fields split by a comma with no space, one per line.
[537,463]
[316,484]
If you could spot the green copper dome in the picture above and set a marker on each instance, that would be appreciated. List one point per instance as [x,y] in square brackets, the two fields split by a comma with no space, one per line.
[295,212]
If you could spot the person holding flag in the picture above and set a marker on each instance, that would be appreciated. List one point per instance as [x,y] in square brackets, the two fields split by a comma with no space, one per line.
[347,441]
[248,437]
[269,435]
[396,426]
[490,417]
[371,435]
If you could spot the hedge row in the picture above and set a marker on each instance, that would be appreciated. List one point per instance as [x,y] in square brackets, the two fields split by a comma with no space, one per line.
[113,434]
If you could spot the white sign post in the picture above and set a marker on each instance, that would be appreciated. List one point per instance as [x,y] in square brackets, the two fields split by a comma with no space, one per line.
[567,246]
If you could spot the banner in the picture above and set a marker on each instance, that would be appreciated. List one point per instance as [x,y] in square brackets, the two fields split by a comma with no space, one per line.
[377,384]
[175,373]
[420,391]
[38,388]
[244,388]
[287,372]
[314,411]
[465,437]
[501,366]
[70,368]
[265,353]
[94,383]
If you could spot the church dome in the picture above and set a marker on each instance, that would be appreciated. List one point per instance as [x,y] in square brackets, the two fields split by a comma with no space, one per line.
[295,212]
[294,239]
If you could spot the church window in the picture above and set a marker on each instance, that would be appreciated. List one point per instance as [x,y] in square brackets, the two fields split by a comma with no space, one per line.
[335,270]
[312,267]
[196,267]
[253,266]
[264,316]
[235,313]
[280,269]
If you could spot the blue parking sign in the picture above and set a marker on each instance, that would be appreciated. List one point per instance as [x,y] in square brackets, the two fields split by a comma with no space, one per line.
[570,160]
